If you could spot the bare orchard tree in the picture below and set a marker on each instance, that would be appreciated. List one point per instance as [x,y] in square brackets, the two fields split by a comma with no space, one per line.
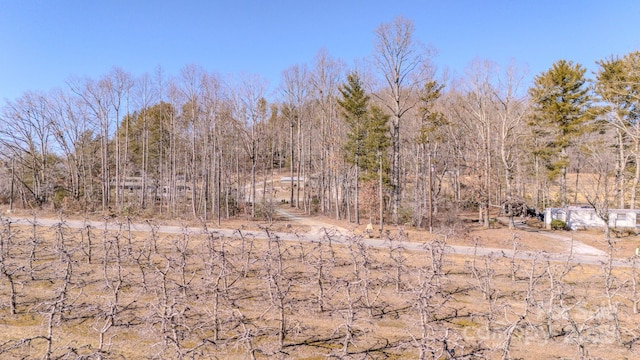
[347,330]
[9,269]
[432,303]
[278,285]
[521,319]
[320,262]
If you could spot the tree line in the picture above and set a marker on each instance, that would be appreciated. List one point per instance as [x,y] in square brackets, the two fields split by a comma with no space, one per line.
[387,141]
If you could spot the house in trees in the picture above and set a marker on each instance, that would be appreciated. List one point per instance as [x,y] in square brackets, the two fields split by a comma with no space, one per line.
[585,217]
[133,185]
[286,181]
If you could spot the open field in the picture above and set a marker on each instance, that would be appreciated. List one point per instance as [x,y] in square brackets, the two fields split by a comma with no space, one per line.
[70,293]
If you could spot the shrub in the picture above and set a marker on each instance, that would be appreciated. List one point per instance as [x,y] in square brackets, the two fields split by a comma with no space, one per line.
[405,216]
[557,224]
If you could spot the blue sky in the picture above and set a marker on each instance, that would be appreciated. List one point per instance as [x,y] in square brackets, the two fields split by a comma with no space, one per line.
[43,43]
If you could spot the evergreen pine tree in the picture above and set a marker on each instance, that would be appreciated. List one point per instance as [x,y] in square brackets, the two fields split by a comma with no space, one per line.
[560,100]
[367,138]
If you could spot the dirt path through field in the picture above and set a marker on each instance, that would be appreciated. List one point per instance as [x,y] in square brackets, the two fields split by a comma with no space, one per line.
[574,250]
[316,226]
[571,245]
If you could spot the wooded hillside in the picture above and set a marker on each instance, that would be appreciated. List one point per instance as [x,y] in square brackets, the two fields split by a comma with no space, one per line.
[393,139]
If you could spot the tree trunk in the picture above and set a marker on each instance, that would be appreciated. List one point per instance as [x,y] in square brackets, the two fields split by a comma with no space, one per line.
[291,161]
[380,193]
[357,195]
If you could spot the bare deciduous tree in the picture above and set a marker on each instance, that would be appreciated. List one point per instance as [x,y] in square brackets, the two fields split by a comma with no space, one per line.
[401,62]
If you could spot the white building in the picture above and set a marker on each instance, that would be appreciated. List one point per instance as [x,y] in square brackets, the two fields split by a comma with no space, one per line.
[585,217]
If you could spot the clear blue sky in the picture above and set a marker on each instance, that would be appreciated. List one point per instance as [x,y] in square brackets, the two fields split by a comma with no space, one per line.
[43,43]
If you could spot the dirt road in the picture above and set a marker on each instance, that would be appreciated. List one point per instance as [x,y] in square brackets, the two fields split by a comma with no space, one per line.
[576,252]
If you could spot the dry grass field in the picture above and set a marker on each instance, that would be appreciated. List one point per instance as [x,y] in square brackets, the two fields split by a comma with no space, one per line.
[114,294]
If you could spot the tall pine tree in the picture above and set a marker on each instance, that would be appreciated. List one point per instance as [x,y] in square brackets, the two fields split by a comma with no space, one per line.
[367,137]
[617,86]
[560,100]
